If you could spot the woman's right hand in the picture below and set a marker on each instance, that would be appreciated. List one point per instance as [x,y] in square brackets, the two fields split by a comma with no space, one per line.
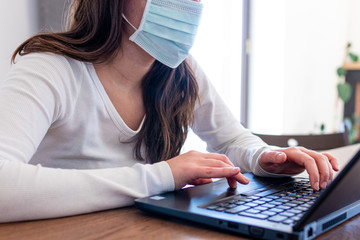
[191,166]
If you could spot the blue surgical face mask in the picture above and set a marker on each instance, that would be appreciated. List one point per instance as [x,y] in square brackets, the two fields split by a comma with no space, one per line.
[167,29]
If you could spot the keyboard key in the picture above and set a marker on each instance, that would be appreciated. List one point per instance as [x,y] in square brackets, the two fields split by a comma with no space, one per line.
[289,198]
[267,205]
[287,214]
[272,197]
[259,202]
[269,213]
[290,204]
[284,207]
[266,199]
[254,197]
[288,221]
[294,211]
[240,202]
[251,204]
[277,218]
[306,205]
[303,209]
[259,216]
[237,209]
[296,218]
[252,211]
[276,210]
[261,208]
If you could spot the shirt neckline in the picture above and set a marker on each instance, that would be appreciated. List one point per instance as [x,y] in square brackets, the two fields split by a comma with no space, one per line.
[114,115]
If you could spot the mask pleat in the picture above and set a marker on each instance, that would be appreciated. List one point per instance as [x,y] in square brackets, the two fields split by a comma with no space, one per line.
[173,24]
[176,36]
[176,14]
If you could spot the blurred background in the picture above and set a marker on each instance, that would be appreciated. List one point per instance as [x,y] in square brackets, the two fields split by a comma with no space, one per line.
[293,50]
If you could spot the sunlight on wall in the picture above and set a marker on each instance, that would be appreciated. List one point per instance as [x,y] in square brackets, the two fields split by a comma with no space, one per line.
[218,51]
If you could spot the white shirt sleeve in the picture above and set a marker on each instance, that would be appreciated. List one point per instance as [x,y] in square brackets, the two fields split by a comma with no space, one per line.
[31,100]
[215,124]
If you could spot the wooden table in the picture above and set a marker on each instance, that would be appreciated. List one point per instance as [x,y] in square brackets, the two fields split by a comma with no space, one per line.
[131,223]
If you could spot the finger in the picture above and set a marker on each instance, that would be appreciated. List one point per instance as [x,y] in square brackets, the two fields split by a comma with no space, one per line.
[333,161]
[331,172]
[232,182]
[209,172]
[322,163]
[331,175]
[215,172]
[213,163]
[220,157]
[241,179]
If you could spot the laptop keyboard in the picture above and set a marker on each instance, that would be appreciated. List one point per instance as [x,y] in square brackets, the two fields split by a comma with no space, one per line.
[285,204]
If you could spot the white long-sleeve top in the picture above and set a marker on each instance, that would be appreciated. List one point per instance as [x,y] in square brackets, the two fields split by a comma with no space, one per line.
[64,149]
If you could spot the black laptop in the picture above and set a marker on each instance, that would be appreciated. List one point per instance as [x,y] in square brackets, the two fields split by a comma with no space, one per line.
[266,208]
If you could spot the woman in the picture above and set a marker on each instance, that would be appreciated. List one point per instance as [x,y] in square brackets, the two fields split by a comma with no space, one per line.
[96,116]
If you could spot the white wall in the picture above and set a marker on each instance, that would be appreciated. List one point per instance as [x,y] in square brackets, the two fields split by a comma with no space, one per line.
[18,21]
[296,48]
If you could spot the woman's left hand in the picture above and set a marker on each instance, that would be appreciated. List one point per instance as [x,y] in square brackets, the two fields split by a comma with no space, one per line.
[295,160]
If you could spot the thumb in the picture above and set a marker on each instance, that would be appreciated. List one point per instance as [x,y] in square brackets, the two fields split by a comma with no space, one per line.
[273,157]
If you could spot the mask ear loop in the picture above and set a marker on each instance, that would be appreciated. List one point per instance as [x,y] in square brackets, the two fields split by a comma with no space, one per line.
[129,22]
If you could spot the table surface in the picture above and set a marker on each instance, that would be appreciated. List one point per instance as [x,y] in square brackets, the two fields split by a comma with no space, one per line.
[131,223]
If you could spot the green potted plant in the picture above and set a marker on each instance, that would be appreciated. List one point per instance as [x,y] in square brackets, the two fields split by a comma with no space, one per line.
[344,91]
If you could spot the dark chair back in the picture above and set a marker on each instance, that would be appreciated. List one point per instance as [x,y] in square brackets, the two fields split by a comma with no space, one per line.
[316,142]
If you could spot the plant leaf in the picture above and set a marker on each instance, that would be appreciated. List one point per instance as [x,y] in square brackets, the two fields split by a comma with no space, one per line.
[322,127]
[353,57]
[344,91]
[341,71]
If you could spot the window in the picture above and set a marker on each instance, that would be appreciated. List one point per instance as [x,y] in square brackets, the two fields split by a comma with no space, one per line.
[296,47]
[218,51]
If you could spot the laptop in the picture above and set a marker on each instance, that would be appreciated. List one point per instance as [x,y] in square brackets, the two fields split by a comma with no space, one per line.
[266,208]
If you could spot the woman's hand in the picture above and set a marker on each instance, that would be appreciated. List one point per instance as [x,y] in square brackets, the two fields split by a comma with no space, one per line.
[295,160]
[195,167]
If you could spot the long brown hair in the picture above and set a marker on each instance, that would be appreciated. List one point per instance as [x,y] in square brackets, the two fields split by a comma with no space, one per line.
[94,35]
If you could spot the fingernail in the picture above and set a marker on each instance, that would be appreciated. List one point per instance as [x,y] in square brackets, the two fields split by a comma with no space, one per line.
[323,185]
[316,186]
